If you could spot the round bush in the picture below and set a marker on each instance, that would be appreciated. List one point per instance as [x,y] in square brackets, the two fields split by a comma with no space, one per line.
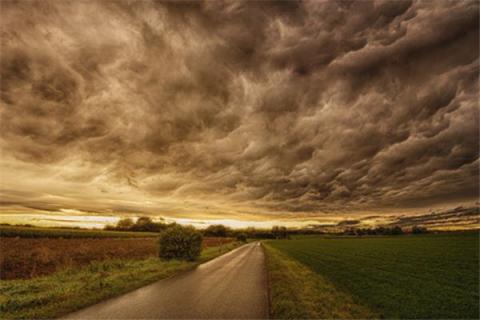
[178,242]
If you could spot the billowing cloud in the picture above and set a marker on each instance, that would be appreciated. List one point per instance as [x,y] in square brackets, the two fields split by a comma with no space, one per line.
[238,109]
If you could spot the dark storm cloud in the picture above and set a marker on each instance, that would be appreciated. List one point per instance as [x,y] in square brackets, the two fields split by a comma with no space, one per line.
[275,107]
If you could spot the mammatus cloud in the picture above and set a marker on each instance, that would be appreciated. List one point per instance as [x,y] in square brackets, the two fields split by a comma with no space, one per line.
[238,109]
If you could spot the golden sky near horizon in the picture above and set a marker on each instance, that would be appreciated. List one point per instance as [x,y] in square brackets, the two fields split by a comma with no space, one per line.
[290,112]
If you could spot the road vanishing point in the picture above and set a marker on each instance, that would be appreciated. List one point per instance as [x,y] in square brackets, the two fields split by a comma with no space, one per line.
[232,286]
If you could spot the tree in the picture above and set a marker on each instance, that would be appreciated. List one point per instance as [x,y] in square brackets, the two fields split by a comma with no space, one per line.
[279,232]
[144,221]
[360,232]
[125,224]
[216,230]
[242,237]
[179,242]
[251,232]
[397,230]
[418,230]
[147,224]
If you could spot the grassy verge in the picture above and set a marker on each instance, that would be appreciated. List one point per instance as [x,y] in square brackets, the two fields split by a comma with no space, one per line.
[296,292]
[66,291]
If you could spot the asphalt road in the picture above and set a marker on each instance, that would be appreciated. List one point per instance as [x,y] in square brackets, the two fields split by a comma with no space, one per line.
[232,286]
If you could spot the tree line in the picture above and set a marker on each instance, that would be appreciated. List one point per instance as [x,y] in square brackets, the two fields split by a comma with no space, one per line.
[390,231]
[146,224]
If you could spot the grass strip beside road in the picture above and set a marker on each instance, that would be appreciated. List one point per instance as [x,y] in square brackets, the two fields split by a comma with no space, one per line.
[66,291]
[296,292]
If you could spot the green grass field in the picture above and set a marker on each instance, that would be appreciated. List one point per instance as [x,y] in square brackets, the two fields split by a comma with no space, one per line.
[40,232]
[420,276]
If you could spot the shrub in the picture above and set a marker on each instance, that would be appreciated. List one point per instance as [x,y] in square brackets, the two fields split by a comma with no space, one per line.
[178,242]
[242,237]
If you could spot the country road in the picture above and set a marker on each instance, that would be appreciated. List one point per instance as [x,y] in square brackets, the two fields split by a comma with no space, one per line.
[231,286]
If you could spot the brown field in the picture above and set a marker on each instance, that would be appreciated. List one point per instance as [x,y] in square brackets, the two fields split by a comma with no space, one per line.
[22,258]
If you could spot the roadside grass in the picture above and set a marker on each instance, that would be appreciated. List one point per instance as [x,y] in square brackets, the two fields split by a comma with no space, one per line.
[41,232]
[407,277]
[296,292]
[66,291]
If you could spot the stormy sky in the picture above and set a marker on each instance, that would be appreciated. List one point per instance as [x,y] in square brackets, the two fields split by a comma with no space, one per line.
[238,110]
